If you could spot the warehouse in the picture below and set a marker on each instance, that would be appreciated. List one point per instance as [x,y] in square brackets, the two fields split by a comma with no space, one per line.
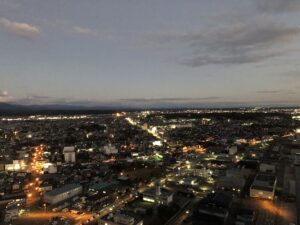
[264,186]
[62,194]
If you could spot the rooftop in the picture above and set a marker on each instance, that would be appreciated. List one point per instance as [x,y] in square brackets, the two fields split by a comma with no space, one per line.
[63,189]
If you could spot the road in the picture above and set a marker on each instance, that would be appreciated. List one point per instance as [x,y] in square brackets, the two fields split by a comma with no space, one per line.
[36,170]
[45,216]
[134,123]
[183,213]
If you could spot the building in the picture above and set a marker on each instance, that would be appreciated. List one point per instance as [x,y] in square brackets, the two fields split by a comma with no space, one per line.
[158,195]
[297,159]
[97,186]
[202,171]
[297,134]
[62,194]
[69,154]
[50,168]
[16,165]
[297,173]
[263,186]
[267,168]
[110,150]
[232,150]
[231,183]
[215,207]
[121,218]
[189,181]
[46,187]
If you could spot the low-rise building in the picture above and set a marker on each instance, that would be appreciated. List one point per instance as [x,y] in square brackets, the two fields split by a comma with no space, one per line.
[121,218]
[267,167]
[215,207]
[110,150]
[158,195]
[69,154]
[263,186]
[62,194]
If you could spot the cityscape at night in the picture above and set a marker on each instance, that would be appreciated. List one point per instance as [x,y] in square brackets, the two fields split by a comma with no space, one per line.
[149,112]
[209,166]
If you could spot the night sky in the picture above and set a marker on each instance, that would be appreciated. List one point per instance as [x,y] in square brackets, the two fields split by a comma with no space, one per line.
[132,51]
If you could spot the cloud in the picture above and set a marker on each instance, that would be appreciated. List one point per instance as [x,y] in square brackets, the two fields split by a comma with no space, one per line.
[234,59]
[268,92]
[157,100]
[249,42]
[83,31]
[4,96]
[3,93]
[10,4]
[38,97]
[282,92]
[23,30]
[277,5]
[34,99]
[292,74]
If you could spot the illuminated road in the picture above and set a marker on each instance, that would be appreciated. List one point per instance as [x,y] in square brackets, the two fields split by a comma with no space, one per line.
[122,201]
[36,170]
[34,194]
[117,205]
[77,219]
[134,123]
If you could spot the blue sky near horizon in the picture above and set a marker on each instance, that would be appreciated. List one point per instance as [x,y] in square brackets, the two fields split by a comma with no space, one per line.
[160,50]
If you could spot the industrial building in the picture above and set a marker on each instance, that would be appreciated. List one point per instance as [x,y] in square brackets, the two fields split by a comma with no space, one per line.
[263,186]
[62,194]
[121,218]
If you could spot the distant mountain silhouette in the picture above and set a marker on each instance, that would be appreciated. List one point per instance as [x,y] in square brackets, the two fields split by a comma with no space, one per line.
[7,107]
[16,109]
[80,108]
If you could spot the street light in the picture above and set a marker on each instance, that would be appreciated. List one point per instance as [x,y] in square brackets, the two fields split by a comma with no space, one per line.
[45,206]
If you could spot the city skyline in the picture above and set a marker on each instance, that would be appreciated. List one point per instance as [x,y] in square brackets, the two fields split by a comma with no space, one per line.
[143,53]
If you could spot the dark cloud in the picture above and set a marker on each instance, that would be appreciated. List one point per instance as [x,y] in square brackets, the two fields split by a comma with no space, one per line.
[169,99]
[293,74]
[241,43]
[38,97]
[282,92]
[268,92]
[234,59]
[277,5]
